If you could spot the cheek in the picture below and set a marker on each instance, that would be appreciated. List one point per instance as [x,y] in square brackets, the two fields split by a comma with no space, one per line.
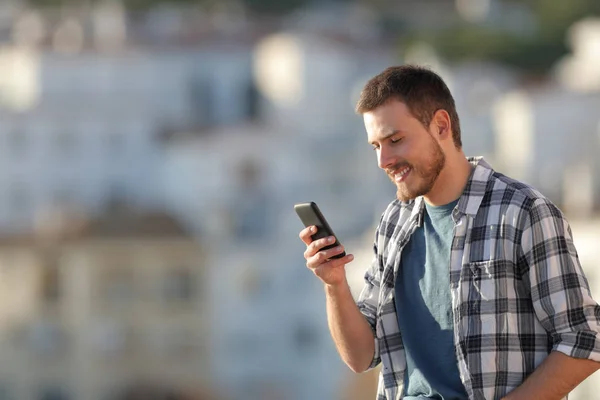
[414,152]
[426,150]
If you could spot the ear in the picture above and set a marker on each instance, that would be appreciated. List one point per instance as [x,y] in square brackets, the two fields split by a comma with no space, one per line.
[441,124]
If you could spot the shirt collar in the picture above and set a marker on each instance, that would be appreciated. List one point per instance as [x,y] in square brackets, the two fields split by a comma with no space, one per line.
[472,196]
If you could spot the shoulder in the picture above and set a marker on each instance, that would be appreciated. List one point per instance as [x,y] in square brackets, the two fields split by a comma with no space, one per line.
[520,199]
[396,217]
[515,191]
[396,213]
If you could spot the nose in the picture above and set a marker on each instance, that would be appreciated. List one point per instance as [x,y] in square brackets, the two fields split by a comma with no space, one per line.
[385,157]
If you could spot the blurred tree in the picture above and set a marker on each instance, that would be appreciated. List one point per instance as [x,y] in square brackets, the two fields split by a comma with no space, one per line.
[257,6]
[131,4]
[46,3]
[534,53]
[274,6]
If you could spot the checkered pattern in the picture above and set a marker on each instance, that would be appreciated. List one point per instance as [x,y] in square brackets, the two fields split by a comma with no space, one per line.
[518,290]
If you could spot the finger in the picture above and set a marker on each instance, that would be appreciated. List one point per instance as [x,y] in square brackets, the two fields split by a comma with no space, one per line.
[324,257]
[334,251]
[306,233]
[317,245]
[316,260]
[332,263]
[348,258]
[323,245]
[337,262]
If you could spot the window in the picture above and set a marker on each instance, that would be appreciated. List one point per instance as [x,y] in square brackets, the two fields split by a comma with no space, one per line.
[112,339]
[203,100]
[252,101]
[117,197]
[51,283]
[117,287]
[46,338]
[179,286]
[251,209]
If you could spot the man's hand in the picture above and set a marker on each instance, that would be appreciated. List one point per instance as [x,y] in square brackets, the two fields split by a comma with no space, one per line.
[330,271]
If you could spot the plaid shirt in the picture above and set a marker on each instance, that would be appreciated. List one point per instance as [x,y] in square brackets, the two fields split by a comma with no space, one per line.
[518,290]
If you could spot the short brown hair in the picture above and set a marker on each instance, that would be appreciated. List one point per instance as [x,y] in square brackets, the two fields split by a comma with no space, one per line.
[422,90]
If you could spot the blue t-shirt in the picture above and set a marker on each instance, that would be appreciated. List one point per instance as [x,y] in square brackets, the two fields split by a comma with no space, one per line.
[424,309]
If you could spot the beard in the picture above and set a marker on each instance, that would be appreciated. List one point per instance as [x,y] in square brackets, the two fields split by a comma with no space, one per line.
[422,176]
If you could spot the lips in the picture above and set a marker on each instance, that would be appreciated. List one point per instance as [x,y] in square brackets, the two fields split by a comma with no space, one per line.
[400,175]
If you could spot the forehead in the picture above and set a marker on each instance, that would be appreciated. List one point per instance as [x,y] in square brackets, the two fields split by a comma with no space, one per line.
[392,116]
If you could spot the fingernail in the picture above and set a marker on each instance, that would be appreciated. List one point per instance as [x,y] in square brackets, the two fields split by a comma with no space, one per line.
[351,257]
[312,229]
[330,239]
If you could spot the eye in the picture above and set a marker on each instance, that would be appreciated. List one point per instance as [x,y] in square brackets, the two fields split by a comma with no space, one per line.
[375,147]
[395,140]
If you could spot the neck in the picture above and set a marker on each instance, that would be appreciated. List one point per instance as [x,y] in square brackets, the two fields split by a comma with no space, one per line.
[451,181]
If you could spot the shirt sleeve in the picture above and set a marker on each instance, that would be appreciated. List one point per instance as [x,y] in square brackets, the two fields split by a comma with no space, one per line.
[368,299]
[559,289]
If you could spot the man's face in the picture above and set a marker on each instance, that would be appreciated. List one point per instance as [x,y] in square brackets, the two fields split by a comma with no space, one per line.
[406,150]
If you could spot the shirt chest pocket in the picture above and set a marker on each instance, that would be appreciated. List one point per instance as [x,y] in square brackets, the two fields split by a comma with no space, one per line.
[493,286]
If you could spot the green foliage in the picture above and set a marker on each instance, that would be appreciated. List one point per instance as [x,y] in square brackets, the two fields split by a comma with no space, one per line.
[556,16]
[273,6]
[535,53]
[258,6]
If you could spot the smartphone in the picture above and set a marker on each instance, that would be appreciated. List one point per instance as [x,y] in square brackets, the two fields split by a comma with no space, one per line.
[310,214]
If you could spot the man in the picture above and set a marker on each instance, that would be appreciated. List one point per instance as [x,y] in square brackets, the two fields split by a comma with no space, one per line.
[475,291]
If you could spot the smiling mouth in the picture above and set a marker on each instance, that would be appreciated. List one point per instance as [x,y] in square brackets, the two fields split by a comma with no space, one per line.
[401,174]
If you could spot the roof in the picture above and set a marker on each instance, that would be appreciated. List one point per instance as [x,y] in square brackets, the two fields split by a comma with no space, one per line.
[117,225]
[147,225]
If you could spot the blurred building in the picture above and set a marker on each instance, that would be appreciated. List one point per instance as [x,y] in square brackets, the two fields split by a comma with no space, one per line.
[576,71]
[548,137]
[476,87]
[97,307]
[306,144]
[181,110]
[80,131]
[236,185]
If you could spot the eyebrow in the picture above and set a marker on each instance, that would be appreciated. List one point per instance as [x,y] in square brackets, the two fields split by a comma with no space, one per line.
[387,136]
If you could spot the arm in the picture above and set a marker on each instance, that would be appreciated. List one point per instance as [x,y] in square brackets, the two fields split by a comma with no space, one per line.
[554,378]
[562,303]
[350,330]
[351,326]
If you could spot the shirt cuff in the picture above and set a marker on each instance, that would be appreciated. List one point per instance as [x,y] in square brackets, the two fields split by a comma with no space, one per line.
[582,344]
